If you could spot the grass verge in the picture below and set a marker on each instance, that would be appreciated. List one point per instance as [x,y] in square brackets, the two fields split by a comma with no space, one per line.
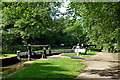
[52,68]
[89,53]
[6,55]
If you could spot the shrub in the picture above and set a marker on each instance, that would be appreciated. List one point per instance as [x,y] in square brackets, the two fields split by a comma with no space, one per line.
[106,46]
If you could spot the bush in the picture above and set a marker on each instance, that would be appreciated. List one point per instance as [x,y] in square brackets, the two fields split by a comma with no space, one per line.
[106,46]
[36,48]
[13,49]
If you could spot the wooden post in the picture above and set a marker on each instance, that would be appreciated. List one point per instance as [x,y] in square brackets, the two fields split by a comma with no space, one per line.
[85,50]
[49,50]
[18,55]
[29,51]
[108,49]
[44,53]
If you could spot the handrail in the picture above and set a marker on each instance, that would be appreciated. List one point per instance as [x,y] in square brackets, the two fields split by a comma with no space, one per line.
[39,45]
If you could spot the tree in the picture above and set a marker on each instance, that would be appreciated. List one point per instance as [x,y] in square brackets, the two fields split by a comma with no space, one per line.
[99,20]
[30,21]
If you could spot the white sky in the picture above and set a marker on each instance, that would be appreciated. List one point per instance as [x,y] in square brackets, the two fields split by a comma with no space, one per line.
[64,6]
[63,9]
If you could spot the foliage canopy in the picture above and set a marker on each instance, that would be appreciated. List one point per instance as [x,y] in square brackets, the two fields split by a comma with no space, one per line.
[31,22]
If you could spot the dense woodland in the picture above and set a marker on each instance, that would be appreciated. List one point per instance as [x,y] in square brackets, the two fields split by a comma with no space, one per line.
[43,23]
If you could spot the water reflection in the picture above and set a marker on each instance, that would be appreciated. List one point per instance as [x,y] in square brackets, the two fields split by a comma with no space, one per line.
[8,70]
[11,69]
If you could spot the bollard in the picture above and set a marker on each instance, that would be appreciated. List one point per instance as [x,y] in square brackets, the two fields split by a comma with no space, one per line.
[44,53]
[49,50]
[85,50]
[29,51]
[18,55]
[109,49]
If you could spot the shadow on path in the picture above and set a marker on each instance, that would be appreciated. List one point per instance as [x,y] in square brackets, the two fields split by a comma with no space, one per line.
[102,66]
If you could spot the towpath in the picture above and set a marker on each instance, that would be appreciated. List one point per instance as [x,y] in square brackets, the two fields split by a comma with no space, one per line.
[102,66]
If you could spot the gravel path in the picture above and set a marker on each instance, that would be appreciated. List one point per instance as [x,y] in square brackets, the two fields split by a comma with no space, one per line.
[102,66]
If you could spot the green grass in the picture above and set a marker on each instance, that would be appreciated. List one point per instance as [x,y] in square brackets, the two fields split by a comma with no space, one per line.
[89,53]
[52,68]
[6,55]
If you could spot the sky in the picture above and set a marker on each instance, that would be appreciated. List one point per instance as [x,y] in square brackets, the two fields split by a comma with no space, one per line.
[64,6]
[63,9]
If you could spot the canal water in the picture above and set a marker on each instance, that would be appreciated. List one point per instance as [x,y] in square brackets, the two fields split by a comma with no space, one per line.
[8,70]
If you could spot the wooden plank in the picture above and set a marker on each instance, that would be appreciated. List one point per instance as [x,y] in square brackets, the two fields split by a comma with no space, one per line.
[41,45]
[38,45]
